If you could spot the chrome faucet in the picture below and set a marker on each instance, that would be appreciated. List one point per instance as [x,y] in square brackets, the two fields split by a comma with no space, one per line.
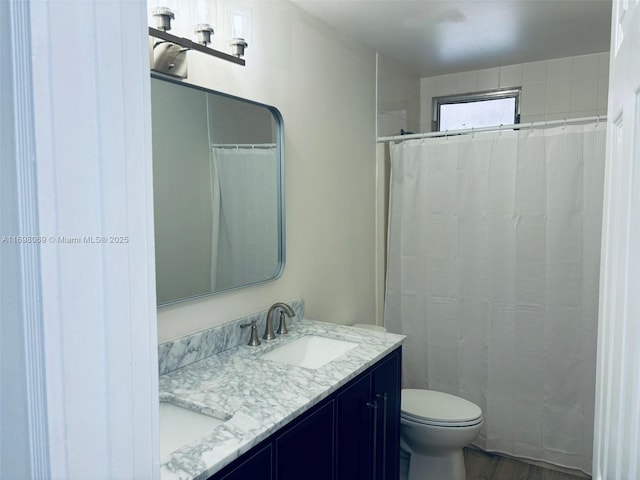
[282,328]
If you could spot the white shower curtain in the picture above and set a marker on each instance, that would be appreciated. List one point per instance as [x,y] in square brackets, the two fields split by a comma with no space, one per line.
[493,270]
[244,186]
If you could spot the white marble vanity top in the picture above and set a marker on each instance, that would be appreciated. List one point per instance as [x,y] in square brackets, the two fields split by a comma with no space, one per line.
[259,396]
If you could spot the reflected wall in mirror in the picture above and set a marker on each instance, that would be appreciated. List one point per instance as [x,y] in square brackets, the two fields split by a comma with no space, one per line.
[218,191]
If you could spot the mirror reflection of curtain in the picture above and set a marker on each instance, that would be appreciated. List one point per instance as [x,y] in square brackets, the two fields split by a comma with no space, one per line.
[244,192]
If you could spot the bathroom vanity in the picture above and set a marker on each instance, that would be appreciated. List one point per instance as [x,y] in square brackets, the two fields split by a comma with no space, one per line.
[321,402]
[282,421]
[354,433]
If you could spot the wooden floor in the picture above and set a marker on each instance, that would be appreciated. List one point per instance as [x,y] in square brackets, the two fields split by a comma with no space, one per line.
[485,466]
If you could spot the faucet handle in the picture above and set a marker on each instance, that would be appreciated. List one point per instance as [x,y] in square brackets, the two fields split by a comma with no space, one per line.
[282,327]
[254,341]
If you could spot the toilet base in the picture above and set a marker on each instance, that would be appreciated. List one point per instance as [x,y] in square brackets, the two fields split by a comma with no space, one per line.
[447,465]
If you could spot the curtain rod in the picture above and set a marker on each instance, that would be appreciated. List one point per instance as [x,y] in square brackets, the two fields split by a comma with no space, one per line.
[517,126]
[243,145]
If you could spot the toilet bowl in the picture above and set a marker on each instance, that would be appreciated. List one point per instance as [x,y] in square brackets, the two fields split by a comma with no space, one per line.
[435,426]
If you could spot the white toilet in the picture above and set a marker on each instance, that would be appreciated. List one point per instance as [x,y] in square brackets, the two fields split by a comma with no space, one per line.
[435,426]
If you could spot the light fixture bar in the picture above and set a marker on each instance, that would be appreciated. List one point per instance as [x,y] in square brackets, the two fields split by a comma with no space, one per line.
[186,43]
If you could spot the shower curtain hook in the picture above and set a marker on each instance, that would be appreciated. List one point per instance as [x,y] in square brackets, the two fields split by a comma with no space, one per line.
[597,121]
[564,123]
[473,132]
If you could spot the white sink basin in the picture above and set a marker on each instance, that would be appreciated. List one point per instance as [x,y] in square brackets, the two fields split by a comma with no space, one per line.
[180,426]
[310,351]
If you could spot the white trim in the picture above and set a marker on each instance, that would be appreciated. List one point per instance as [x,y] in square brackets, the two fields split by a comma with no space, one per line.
[238,146]
[380,221]
[30,257]
[23,403]
[91,114]
[617,402]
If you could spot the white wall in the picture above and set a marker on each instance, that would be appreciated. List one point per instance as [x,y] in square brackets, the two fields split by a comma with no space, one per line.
[398,98]
[324,87]
[551,89]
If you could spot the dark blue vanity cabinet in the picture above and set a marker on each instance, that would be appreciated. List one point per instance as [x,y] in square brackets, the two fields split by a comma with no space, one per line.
[368,423]
[255,465]
[305,448]
[354,434]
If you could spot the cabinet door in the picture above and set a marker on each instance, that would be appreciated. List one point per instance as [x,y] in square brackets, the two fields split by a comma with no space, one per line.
[256,467]
[354,441]
[305,450]
[386,384]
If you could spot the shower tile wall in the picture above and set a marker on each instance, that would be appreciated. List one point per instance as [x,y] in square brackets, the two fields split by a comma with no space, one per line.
[551,89]
[398,98]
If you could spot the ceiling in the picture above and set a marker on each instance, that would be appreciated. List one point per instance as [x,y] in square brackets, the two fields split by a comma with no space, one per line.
[433,37]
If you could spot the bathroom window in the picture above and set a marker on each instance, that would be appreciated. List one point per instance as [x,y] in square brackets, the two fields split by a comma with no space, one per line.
[475,110]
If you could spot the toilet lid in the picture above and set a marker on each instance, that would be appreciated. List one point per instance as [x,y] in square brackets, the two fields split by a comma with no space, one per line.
[429,406]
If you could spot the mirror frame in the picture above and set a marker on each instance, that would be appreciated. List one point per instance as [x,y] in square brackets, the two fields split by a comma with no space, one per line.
[281,230]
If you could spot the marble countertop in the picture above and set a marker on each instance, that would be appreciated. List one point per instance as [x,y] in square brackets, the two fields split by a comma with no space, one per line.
[259,396]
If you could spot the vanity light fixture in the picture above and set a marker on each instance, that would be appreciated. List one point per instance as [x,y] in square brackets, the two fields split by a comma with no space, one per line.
[169,52]
[203,15]
[237,46]
[187,44]
[203,31]
[238,23]
[163,17]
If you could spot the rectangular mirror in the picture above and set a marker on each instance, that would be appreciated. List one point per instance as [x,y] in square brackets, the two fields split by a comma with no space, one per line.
[218,191]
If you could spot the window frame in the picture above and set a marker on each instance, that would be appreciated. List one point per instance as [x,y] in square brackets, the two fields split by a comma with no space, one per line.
[437,102]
